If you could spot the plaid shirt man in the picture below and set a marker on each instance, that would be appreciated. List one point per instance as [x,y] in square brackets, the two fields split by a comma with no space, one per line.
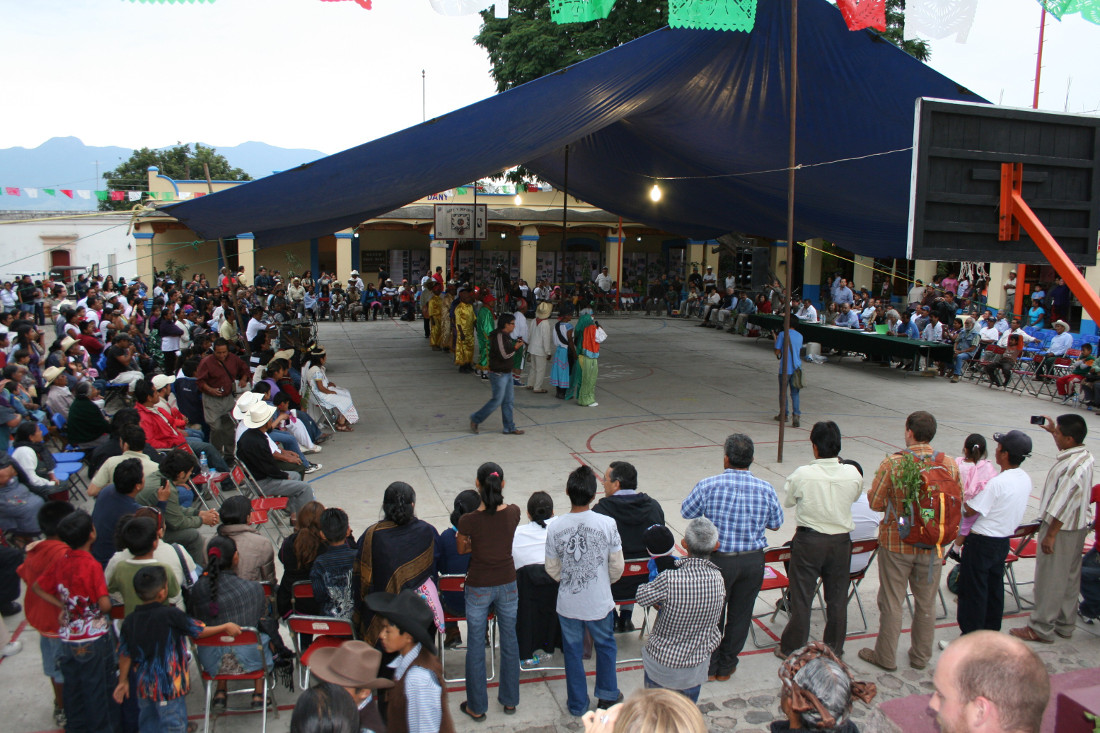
[740,505]
[691,598]
[884,494]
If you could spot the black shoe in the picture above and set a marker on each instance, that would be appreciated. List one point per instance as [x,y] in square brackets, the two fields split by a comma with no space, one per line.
[954,554]
[605,704]
[11,609]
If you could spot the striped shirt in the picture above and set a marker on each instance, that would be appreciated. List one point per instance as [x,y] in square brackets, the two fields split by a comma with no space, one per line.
[741,507]
[1068,488]
[422,693]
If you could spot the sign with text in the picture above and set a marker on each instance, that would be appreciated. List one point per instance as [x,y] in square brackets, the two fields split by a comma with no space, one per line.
[461,221]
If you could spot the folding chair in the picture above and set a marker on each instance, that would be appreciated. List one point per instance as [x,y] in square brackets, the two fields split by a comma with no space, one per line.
[210,483]
[311,405]
[859,548]
[251,637]
[268,505]
[327,631]
[1046,382]
[632,569]
[1022,545]
[457,584]
[774,579]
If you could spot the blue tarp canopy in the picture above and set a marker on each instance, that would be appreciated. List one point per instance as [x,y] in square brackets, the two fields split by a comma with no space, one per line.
[691,105]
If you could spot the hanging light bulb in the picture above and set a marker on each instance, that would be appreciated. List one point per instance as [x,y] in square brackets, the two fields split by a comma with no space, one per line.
[655,193]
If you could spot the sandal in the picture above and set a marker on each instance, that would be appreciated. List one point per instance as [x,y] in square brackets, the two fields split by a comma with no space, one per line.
[509,709]
[478,718]
[344,428]
[221,699]
[1028,634]
[257,700]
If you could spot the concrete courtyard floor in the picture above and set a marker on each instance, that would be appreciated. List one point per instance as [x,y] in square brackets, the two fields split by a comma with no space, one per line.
[669,393]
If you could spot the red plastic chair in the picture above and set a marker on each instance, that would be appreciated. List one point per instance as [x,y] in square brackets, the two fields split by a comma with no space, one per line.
[774,579]
[1022,546]
[327,631]
[248,636]
[632,569]
[457,584]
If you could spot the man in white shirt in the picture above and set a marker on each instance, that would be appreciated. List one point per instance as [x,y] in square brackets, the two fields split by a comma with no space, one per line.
[709,278]
[916,293]
[731,282]
[1000,508]
[989,334]
[519,333]
[807,313]
[934,330]
[1010,289]
[1059,345]
[603,281]
[1014,328]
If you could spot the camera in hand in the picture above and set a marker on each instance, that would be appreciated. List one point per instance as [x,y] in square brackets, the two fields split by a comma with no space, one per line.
[1038,420]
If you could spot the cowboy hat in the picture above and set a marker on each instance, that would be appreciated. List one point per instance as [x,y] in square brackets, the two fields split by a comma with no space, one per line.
[160,381]
[67,343]
[352,664]
[259,415]
[408,612]
[1063,324]
[245,401]
[287,354]
[544,310]
[52,373]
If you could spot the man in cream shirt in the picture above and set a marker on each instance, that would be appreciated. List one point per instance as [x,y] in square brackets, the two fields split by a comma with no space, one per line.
[822,494]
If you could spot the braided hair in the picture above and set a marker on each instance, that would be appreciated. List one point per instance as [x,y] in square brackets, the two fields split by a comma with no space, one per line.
[397,503]
[219,558]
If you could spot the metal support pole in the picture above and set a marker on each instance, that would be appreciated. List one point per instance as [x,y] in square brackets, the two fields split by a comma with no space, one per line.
[792,138]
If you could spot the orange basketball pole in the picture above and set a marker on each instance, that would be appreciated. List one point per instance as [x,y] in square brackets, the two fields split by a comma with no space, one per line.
[1015,212]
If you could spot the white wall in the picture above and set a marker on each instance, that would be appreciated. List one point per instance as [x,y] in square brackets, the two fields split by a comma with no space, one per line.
[25,246]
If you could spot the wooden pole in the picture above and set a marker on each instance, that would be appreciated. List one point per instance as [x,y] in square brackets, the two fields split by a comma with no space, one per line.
[564,219]
[792,138]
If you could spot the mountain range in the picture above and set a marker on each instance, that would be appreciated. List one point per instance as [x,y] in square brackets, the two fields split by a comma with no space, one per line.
[66,162]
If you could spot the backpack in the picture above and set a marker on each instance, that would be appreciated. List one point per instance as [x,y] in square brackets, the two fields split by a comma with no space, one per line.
[933,520]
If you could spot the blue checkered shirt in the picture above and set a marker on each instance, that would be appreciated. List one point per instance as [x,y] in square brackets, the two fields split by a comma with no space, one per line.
[739,504]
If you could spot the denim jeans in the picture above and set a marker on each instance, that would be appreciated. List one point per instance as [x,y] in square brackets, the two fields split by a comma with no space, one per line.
[792,404]
[503,396]
[91,672]
[572,643]
[311,425]
[213,457]
[504,599]
[287,441]
[691,693]
[169,716]
[961,359]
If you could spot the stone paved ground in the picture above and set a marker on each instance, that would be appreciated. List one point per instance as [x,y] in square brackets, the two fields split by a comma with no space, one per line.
[668,395]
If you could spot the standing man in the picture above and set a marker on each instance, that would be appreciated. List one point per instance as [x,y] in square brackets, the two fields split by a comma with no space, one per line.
[742,507]
[217,375]
[1000,508]
[822,493]
[794,363]
[1010,292]
[584,553]
[901,565]
[500,355]
[633,513]
[1065,512]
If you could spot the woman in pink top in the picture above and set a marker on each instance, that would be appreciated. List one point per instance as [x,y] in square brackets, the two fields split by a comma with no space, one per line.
[974,472]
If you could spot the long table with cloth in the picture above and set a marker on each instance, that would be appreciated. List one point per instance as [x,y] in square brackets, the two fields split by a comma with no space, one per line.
[862,342]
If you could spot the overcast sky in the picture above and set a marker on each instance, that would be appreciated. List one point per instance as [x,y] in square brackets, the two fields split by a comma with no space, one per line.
[330,75]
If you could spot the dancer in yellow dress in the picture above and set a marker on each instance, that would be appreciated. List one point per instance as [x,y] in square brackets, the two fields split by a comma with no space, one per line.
[464,331]
[435,313]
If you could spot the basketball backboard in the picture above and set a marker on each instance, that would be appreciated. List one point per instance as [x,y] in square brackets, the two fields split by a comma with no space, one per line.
[958,149]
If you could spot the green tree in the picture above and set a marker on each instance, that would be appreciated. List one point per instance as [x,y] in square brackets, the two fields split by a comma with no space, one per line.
[918,48]
[179,162]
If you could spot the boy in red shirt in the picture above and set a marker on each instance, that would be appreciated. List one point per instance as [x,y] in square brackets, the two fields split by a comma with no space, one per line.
[41,615]
[76,585]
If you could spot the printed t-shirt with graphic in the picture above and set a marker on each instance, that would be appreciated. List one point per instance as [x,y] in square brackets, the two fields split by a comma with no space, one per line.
[153,636]
[77,580]
[583,542]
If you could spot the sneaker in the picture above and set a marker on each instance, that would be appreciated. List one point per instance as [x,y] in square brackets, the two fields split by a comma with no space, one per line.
[605,704]
[943,643]
[794,421]
[313,468]
[594,404]
[59,718]
[954,378]
[315,449]
[11,649]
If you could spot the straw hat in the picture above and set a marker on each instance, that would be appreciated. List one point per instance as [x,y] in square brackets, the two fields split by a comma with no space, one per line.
[287,354]
[244,402]
[259,415]
[67,343]
[52,373]
[544,310]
